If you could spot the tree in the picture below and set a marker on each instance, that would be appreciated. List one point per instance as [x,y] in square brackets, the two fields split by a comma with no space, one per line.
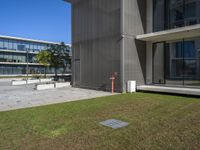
[44,58]
[56,56]
[59,54]
[66,59]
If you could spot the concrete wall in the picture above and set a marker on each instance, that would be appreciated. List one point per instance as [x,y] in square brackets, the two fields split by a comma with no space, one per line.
[96,43]
[103,35]
[158,63]
[134,23]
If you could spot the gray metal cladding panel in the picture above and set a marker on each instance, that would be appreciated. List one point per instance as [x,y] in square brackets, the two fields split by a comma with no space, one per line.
[96,31]
[76,50]
[77,75]
[94,19]
[99,60]
[76,64]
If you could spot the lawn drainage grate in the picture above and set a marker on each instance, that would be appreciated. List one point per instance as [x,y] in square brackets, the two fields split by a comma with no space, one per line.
[113,123]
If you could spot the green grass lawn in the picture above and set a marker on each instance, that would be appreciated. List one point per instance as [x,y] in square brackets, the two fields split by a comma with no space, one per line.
[156,122]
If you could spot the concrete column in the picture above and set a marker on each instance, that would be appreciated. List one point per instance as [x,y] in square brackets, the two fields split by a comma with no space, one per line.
[149,16]
[149,47]
[149,63]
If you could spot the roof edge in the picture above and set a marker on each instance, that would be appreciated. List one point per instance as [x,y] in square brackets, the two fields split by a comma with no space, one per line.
[30,40]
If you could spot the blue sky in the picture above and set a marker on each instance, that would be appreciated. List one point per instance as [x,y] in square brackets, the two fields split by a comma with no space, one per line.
[36,19]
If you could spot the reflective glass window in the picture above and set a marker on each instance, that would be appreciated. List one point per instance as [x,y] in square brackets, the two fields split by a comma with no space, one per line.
[45,46]
[14,44]
[42,47]
[5,44]
[39,47]
[178,49]
[176,13]
[1,69]
[170,14]
[10,45]
[31,46]
[182,62]
[159,15]
[189,49]
[1,56]
[21,46]
[35,47]
[27,46]
[1,43]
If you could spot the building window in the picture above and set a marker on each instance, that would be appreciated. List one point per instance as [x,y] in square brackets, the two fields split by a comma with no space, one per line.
[10,45]
[176,13]
[170,14]
[21,47]
[189,49]
[159,15]
[1,43]
[177,63]
[27,46]
[31,46]
[5,44]
[35,47]
[14,45]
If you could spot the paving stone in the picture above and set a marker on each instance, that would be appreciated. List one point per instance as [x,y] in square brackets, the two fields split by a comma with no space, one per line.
[15,97]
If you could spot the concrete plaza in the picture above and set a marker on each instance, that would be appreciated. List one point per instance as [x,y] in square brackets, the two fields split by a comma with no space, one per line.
[16,97]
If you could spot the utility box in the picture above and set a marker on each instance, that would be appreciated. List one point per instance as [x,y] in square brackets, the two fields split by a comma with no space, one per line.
[131,86]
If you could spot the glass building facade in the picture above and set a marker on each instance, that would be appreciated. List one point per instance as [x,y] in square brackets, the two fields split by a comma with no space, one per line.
[169,14]
[15,53]
[19,45]
[176,62]
[16,69]
[17,57]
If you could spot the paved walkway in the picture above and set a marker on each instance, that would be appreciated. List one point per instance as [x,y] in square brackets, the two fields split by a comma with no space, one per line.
[16,97]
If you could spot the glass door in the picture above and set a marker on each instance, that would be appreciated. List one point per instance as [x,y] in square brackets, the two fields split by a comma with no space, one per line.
[174,73]
[177,63]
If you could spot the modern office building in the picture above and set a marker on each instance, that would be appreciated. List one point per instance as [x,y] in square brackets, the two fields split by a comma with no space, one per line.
[154,42]
[16,52]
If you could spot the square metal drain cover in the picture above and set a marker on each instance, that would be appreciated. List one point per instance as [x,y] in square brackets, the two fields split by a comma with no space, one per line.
[113,123]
